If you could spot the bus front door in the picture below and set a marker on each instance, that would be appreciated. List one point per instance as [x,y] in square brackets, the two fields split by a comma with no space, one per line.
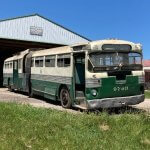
[79,72]
[15,74]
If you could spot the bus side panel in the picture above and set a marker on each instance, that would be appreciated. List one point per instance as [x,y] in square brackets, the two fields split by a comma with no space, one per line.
[18,75]
[22,72]
[7,79]
[20,79]
[8,74]
[44,88]
[46,81]
[22,82]
[48,86]
[26,83]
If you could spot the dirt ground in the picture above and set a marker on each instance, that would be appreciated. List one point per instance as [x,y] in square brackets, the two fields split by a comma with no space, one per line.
[7,96]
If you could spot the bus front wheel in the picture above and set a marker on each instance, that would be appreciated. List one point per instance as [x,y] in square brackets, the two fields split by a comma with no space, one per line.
[65,98]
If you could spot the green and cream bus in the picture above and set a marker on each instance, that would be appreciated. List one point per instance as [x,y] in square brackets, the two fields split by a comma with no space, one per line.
[99,74]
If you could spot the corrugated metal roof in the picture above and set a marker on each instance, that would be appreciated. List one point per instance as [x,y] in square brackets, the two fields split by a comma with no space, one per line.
[38,29]
[146,63]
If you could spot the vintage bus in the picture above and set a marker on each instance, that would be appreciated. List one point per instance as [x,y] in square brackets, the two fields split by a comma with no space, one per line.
[98,74]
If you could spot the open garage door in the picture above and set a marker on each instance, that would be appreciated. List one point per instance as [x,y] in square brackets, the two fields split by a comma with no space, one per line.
[10,47]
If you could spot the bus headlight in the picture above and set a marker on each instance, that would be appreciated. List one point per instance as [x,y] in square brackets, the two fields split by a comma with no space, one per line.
[94,92]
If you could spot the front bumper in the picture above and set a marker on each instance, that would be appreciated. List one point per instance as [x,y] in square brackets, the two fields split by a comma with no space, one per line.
[115,102]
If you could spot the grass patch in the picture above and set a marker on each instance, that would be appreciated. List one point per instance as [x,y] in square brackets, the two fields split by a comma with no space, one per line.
[25,127]
[147,94]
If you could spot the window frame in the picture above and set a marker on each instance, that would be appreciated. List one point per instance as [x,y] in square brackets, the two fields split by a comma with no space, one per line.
[62,58]
[51,57]
[39,58]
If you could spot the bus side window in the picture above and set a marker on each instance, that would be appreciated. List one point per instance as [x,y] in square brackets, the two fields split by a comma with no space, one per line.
[66,62]
[63,61]
[39,61]
[11,65]
[50,61]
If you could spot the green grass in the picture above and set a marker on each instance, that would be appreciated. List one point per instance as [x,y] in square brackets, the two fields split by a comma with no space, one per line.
[147,94]
[24,127]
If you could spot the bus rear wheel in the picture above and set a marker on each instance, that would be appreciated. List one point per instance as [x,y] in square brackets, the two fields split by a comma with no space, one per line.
[65,98]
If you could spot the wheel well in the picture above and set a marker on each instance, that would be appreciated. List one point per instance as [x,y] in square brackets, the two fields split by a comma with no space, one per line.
[60,87]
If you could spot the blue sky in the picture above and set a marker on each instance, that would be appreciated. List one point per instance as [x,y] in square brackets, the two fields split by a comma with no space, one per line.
[94,19]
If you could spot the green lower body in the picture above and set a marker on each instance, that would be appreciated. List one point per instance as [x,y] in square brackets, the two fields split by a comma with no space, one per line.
[48,89]
[19,83]
[7,80]
[113,93]
[108,94]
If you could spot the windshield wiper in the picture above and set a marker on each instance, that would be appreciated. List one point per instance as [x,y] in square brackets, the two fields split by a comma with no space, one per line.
[91,63]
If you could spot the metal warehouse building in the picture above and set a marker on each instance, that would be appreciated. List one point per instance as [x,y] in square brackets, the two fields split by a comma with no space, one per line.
[32,31]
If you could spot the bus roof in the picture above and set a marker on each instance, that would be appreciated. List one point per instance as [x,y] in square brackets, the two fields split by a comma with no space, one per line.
[18,56]
[95,45]
[9,59]
[111,41]
[53,51]
[100,43]
[106,41]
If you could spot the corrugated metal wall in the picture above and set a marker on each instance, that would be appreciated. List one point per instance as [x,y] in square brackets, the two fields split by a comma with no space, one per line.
[47,31]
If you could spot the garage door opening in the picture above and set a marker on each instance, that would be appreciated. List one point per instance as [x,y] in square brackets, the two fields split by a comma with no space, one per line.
[8,48]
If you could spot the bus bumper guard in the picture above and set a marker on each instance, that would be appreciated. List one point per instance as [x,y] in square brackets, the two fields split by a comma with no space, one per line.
[115,102]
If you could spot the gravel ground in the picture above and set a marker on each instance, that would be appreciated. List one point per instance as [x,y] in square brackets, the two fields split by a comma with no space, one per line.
[144,105]
[7,96]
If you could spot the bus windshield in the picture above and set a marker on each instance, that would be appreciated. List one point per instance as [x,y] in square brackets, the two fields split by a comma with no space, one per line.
[126,60]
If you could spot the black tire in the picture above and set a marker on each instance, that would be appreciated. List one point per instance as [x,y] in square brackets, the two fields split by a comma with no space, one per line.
[65,98]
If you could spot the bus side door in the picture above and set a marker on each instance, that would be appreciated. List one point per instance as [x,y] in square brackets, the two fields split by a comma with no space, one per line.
[79,73]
